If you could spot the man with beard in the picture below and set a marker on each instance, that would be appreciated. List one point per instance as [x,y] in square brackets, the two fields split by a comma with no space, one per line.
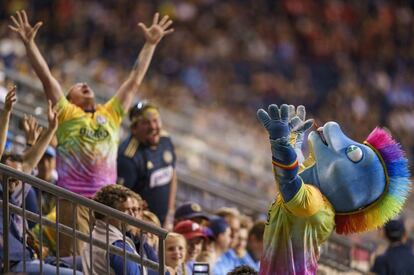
[146,162]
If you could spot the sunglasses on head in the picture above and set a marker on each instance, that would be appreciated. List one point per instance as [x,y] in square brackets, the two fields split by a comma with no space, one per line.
[138,109]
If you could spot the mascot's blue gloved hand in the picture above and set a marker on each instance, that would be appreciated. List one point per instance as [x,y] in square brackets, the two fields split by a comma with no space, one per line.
[298,126]
[275,121]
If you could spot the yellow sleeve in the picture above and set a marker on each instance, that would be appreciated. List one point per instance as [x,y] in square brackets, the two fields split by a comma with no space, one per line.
[67,110]
[115,110]
[307,202]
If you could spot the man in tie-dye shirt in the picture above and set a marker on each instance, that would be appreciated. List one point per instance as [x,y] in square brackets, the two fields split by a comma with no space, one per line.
[88,134]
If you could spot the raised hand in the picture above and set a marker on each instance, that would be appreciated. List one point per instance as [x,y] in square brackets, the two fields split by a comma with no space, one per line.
[298,127]
[157,30]
[298,123]
[52,116]
[275,120]
[10,99]
[32,129]
[22,26]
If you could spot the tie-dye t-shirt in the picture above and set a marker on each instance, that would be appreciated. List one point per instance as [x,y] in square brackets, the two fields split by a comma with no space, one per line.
[294,232]
[87,146]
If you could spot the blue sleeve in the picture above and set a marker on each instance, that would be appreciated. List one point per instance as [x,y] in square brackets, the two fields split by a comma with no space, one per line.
[117,262]
[285,167]
[32,204]
[151,253]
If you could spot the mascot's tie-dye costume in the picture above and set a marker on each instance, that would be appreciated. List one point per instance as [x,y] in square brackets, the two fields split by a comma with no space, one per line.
[344,185]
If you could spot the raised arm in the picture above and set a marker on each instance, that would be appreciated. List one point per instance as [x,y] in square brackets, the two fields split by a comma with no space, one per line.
[5,117]
[33,155]
[153,36]
[284,158]
[32,130]
[27,34]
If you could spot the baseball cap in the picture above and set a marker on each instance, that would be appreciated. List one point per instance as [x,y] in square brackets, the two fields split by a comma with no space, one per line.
[189,229]
[189,210]
[50,151]
[208,232]
[394,229]
[138,109]
[218,225]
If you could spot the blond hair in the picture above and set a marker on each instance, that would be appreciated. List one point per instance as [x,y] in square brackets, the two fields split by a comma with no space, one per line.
[177,236]
[151,217]
[228,212]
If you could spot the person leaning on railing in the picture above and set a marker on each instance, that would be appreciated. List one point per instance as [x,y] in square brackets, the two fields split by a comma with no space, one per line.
[124,200]
[88,134]
[19,245]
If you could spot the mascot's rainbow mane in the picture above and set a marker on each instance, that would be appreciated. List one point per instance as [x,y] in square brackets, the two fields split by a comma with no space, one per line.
[397,187]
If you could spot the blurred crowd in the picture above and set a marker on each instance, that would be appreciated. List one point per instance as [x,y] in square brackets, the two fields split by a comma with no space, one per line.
[348,61]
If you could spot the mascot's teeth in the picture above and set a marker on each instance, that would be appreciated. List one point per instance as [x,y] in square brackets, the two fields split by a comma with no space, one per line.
[320,132]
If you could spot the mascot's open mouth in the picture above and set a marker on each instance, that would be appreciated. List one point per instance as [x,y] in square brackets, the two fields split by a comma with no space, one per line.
[320,133]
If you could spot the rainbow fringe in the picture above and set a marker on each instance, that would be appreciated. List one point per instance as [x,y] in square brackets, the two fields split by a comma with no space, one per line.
[392,200]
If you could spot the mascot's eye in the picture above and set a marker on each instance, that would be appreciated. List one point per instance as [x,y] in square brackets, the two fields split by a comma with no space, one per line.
[354,153]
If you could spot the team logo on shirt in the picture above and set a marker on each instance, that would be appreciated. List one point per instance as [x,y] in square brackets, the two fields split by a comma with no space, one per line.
[161,177]
[98,134]
[195,207]
[167,156]
[100,119]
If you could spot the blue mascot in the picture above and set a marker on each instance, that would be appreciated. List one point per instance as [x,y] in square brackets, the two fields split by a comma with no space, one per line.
[343,185]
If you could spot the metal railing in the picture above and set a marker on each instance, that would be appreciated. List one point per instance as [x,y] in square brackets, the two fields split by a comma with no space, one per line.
[76,199]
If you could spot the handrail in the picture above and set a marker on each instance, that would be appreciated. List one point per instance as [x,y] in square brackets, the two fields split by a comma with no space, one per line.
[82,236]
[63,193]
[8,172]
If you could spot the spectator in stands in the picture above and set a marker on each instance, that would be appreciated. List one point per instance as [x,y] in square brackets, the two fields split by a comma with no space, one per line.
[88,134]
[124,200]
[232,217]
[32,131]
[46,167]
[46,171]
[152,239]
[146,162]
[190,211]
[399,257]
[254,245]
[148,251]
[236,255]
[240,249]
[175,251]
[19,246]
[222,239]
[194,235]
